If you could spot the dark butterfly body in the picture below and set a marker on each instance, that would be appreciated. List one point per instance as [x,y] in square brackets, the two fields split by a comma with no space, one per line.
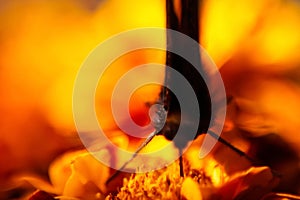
[188,25]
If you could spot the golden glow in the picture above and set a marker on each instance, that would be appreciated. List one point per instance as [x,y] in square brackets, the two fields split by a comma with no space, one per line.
[226,24]
[278,39]
[43,44]
[216,172]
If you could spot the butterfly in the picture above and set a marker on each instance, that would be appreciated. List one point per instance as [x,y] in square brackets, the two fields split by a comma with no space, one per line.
[168,115]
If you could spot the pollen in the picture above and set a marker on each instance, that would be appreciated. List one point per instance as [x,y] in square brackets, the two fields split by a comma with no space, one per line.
[165,183]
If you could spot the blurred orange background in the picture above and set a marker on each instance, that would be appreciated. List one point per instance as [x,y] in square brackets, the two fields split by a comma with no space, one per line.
[255,44]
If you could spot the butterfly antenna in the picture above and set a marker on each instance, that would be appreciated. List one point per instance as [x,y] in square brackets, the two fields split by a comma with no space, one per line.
[158,117]
[148,139]
[240,152]
[229,145]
